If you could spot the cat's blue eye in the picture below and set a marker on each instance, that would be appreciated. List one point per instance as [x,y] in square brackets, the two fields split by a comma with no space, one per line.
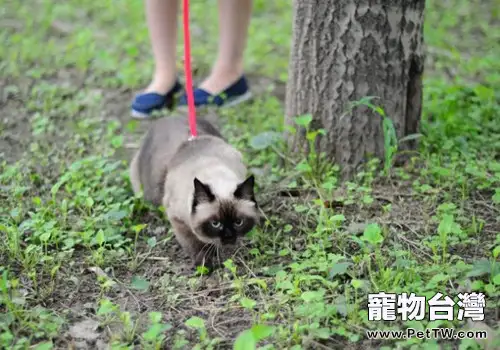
[238,222]
[215,224]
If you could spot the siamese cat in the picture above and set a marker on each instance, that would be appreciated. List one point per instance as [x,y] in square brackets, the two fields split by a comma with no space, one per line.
[201,183]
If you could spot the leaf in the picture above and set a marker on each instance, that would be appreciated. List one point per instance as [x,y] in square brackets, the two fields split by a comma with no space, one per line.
[138,228]
[304,120]
[106,307]
[132,125]
[139,283]
[357,283]
[447,207]
[341,309]
[477,284]
[155,317]
[262,331]
[152,333]
[496,280]
[195,322]
[248,303]
[372,234]
[311,136]
[260,282]
[100,239]
[117,141]
[245,341]
[338,218]
[116,215]
[44,237]
[37,201]
[264,139]
[284,252]
[496,251]
[496,196]
[312,296]
[322,333]
[299,208]
[480,268]
[410,137]
[202,270]
[89,202]
[44,346]
[18,300]
[364,101]
[284,285]
[155,330]
[151,242]
[303,167]
[440,277]
[338,269]
[228,264]
[446,225]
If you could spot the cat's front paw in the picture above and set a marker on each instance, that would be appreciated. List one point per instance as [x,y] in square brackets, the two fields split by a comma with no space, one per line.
[205,259]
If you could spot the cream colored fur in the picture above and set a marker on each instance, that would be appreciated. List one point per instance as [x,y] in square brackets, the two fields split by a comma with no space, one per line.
[166,164]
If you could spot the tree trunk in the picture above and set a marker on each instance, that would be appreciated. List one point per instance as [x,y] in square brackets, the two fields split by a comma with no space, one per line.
[344,50]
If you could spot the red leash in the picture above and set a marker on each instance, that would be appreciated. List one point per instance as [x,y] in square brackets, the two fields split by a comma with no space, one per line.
[187,71]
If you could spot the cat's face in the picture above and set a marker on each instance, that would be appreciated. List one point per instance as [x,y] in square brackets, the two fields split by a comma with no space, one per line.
[222,221]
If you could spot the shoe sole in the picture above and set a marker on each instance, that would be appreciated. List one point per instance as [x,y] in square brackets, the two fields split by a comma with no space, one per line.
[240,99]
[139,115]
[233,102]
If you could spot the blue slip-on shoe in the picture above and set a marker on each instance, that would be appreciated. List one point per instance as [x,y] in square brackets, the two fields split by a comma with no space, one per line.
[237,93]
[146,103]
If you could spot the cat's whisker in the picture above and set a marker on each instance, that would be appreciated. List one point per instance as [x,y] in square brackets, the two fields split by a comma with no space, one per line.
[205,250]
[217,253]
[241,246]
[210,249]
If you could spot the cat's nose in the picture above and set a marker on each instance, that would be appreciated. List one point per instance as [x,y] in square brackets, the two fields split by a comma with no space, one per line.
[228,240]
[228,237]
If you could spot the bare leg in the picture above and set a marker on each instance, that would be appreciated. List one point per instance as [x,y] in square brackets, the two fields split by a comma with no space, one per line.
[234,19]
[161,17]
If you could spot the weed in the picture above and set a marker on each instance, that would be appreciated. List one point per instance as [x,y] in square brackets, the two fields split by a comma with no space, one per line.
[389,132]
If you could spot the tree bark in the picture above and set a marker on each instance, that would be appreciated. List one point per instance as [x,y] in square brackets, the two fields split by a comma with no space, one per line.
[344,50]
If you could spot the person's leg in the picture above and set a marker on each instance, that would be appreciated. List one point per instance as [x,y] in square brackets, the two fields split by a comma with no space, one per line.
[161,17]
[234,19]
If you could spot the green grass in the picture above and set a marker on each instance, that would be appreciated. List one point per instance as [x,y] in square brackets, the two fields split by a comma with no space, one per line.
[84,263]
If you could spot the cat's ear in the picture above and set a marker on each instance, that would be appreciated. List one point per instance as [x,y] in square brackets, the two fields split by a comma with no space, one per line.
[245,190]
[202,193]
